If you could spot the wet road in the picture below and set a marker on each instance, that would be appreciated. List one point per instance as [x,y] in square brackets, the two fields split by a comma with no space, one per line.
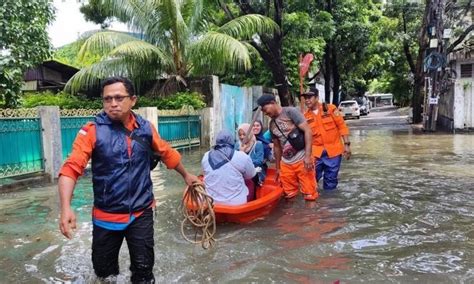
[403,213]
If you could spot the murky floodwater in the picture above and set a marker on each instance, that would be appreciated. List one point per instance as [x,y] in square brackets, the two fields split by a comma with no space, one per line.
[403,213]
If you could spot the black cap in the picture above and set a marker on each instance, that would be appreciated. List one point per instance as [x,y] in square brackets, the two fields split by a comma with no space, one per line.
[265,100]
[309,94]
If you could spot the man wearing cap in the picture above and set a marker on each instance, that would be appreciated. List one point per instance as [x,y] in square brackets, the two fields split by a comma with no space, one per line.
[295,168]
[328,127]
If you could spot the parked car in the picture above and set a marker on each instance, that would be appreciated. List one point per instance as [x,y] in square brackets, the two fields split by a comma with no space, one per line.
[350,109]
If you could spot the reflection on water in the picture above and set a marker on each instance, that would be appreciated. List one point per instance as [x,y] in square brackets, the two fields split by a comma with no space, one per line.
[403,213]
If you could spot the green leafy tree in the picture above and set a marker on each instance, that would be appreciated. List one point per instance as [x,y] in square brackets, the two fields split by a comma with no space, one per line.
[347,49]
[97,13]
[68,54]
[412,30]
[23,42]
[177,41]
[302,36]
[302,28]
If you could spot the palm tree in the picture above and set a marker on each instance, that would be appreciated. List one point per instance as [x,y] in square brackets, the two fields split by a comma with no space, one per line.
[177,41]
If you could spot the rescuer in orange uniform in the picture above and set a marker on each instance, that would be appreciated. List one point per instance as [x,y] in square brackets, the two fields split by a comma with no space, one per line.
[294,167]
[328,127]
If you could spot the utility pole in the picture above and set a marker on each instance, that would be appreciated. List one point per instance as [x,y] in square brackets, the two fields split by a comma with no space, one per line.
[435,61]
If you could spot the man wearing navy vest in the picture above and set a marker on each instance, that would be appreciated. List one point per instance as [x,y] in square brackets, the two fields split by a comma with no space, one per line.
[120,144]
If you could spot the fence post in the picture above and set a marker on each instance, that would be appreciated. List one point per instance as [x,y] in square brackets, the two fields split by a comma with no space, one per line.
[150,114]
[207,127]
[51,139]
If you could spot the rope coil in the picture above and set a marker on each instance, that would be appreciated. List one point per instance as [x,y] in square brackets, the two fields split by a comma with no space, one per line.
[198,210]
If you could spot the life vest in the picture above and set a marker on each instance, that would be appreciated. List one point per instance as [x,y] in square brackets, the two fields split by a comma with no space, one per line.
[326,131]
[121,182]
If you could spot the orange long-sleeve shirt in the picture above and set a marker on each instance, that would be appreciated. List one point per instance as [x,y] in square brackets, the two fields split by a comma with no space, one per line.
[328,130]
[85,142]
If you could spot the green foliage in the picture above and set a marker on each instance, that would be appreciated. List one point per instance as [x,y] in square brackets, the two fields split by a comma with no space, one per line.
[68,54]
[95,12]
[302,35]
[62,99]
[177,40]
[68,101]
[24,42]
[176,101]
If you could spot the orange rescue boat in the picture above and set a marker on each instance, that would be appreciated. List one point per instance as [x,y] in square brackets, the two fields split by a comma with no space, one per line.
[268,196]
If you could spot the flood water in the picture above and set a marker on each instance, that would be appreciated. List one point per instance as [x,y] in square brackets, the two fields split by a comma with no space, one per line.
[403,213]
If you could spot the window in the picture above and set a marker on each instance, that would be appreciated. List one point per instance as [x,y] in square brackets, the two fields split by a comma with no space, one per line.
[466,70]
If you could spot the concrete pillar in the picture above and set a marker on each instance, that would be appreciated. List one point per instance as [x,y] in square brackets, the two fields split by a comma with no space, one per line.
[150,114]
[207,127]
[51,137]
[459,107]
[216,106]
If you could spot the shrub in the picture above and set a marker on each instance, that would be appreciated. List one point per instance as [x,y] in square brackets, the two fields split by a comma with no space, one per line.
[61,99]
[68,101]
[176,101]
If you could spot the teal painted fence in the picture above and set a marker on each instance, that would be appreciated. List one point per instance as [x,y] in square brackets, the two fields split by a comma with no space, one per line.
[180,131]
[70,126]
[20,146]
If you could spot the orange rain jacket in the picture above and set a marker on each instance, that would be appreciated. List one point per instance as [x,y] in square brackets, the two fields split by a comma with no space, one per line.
[327,129]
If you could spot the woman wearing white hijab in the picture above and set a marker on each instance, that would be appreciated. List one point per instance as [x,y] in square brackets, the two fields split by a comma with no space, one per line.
[253,148]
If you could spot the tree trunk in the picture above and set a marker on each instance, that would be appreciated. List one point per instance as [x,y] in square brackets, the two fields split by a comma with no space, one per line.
[327,72]
[417,99]
[335,76]
[270,49]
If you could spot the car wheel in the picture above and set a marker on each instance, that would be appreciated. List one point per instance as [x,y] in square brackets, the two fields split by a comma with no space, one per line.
[358,117]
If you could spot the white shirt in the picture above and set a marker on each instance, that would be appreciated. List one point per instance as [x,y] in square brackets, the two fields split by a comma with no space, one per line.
[227,183]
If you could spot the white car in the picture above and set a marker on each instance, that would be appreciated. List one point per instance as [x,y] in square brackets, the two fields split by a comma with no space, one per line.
[350,109]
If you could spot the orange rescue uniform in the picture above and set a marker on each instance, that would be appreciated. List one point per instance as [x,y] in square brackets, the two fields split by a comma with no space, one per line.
[328,129]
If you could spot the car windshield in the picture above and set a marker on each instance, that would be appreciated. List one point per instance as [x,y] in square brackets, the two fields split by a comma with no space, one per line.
[347,104]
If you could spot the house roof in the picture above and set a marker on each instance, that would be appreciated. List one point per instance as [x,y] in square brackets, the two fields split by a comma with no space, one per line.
[68,70]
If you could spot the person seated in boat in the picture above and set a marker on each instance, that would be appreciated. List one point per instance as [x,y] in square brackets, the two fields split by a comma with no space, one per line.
[254,149]
[265,138]
[225,171]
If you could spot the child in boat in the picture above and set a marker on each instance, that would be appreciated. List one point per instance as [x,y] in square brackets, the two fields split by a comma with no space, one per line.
[225,171]
[254,149]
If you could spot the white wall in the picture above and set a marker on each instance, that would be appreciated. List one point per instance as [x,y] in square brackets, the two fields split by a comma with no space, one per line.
[464,99]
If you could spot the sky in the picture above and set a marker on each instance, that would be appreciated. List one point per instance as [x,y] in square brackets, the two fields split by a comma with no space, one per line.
[69,23]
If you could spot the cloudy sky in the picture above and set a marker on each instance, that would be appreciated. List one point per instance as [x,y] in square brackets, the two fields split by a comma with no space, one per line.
[70,23]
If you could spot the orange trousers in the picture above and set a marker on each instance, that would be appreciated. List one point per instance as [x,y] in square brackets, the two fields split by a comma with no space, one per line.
[294,177]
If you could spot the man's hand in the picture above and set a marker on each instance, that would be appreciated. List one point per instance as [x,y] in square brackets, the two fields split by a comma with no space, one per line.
[190,179]
[67,222]
[347,152]
[277,175]
[308,163]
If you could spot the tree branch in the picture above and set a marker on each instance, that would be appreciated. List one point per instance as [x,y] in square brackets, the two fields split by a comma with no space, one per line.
[278,12]
[460,39]
[245,7]
[226,9]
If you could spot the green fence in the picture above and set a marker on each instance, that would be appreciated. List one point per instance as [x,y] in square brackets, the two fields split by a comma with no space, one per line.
[20,146]
[70,126]
[180,131]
